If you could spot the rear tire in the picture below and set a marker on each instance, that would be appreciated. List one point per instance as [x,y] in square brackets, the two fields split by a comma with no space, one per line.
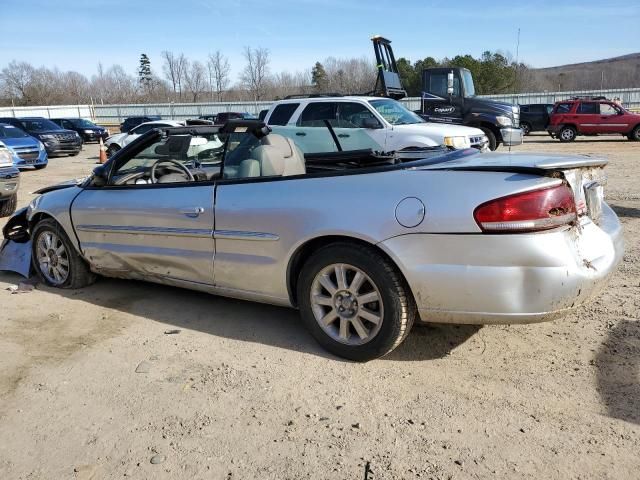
[9,206]
[567,134]
[635,134]
[493,142]
[56,260]
[362,317]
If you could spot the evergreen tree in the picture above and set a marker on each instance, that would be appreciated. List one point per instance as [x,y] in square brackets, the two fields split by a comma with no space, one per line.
[319,78]
[145,77]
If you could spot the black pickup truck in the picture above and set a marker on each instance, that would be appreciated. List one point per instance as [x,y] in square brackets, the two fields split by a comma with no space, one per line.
[448,96]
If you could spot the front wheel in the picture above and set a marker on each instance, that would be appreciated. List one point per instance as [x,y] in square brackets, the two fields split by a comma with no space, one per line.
[9,206]
[56,260]
[567,134]
[493,142]
[526,128]
[40,167]
[355,302]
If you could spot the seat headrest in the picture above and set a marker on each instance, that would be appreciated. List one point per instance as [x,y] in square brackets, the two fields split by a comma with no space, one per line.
[279,156]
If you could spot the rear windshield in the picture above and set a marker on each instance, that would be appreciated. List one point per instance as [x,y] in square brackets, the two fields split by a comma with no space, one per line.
[9,131]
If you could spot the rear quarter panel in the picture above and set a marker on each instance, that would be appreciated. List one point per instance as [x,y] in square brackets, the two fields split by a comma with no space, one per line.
[260,225]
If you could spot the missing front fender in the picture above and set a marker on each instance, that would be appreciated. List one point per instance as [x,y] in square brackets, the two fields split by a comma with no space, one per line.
[17,228]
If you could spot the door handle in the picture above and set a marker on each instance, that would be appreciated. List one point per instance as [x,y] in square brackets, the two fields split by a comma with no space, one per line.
[301,134]
[192,212]
[343,135]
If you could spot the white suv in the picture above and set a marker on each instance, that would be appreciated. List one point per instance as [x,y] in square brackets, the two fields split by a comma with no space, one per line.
[388,122]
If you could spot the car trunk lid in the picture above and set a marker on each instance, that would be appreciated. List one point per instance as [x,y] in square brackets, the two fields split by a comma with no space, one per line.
[584,173]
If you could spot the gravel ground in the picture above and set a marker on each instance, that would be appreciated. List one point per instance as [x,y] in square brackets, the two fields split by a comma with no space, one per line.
[93,384]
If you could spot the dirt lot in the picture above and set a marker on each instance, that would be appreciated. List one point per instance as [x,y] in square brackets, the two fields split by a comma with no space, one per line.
[243,392]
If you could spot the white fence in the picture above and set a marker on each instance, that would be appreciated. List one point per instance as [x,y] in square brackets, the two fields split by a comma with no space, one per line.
[114,114]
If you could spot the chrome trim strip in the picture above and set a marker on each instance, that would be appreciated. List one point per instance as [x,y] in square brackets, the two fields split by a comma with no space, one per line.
[177,232]
[240,235]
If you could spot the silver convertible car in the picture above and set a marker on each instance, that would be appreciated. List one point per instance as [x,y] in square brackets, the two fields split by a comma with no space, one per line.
[363,242]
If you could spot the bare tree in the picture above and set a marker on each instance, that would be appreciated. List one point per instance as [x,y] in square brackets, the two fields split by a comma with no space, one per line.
[196,79]
[174,68]
[256,71]
[16,79]
[219,68]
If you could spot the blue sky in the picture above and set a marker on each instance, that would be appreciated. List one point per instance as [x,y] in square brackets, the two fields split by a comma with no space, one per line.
[76,35]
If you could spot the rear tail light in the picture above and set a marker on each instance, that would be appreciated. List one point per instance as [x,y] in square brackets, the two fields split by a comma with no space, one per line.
[528,212]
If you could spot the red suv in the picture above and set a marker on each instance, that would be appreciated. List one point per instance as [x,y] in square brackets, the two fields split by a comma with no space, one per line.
[592,116]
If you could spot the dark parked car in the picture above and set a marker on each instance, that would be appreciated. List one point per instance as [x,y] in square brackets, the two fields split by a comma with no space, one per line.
[535,117]
[132,122]
[88,131]
[56,140]
[224,117]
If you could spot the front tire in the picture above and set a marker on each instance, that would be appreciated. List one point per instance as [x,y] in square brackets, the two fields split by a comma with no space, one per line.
[355,302]
[40,167]
[9,206]
[567,134]
[526,128]
[56,260]
[493,142]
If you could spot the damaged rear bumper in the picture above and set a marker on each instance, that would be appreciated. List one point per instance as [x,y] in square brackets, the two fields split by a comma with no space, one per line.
[506,279]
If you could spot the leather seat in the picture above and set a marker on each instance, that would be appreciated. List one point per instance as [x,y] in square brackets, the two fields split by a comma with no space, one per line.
[277,156]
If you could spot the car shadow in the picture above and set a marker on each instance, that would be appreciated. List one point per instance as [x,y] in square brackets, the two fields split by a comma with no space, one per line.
[548,139]
[239,320]
[629,212]
[618,369]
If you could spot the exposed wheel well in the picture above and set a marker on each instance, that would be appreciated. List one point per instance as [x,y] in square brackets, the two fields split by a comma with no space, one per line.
[37,218]
[303,252]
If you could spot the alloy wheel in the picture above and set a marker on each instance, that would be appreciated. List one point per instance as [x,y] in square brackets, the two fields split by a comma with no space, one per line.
[52,257]
[347,304]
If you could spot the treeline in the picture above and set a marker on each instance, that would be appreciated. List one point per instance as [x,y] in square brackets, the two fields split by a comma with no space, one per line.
[176,78]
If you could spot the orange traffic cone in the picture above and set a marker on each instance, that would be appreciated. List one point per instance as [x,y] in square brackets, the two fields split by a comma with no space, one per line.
[103,152]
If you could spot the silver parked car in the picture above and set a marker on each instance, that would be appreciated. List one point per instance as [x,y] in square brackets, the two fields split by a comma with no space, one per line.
[363,242]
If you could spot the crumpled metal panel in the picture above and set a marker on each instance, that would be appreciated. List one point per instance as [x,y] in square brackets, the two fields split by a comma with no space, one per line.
[16,257]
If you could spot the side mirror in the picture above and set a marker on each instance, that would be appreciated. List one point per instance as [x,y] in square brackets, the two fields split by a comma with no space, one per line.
[100,175]
[450,83]
[370,123]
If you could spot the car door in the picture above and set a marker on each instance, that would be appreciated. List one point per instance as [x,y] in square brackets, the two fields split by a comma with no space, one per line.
[157,231]
[438,104]
[588,118]
[352,118]
[612,119]
[254,229]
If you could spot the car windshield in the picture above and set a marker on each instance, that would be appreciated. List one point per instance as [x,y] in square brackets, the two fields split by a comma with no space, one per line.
[82,123]
[8,131]
[39,125]
[395,113]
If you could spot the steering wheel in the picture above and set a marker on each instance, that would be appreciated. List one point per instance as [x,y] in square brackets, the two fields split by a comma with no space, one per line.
[175,163]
